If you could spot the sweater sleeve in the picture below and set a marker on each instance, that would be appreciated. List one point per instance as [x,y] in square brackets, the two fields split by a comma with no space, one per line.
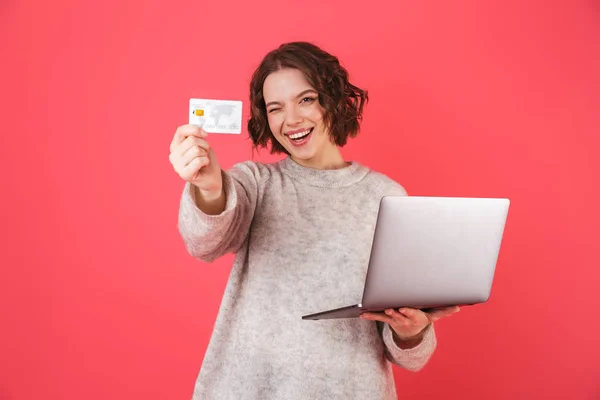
[208,237]
[413,359]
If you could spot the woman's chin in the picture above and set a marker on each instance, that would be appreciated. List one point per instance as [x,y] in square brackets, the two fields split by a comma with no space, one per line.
[301,155]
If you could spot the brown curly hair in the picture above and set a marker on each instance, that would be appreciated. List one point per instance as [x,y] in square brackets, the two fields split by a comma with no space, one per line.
[343,102]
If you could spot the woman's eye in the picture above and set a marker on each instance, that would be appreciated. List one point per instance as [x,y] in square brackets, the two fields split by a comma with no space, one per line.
[308,99]
[273,110]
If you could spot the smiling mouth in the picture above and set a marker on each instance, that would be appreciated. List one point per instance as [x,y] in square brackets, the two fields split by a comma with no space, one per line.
[298,136]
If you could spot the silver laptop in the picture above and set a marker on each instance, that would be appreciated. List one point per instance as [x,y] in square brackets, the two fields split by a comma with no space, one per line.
[430,252]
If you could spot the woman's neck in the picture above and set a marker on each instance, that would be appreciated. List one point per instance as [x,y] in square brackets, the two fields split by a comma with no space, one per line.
[329,158]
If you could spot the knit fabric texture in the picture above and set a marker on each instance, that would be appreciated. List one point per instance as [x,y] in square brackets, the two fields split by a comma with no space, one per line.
[302,239]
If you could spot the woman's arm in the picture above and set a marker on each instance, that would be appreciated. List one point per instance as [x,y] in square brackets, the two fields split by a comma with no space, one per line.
[213,227]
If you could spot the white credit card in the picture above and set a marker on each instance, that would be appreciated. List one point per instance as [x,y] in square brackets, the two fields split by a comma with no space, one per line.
[216,116]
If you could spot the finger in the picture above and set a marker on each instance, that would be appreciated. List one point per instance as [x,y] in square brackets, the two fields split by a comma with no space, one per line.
[412,313]
[191,153]
[180,158]
[407,312]
[443,312]
[185,131]
[190,142]
[398,316]
[377,317]
[191,170]
[204,161]
[449,310]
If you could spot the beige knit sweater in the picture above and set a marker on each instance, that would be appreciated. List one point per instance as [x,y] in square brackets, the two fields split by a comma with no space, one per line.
[302,239]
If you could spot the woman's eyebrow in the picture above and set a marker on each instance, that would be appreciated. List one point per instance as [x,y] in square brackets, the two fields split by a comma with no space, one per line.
[305,92]
[298,96]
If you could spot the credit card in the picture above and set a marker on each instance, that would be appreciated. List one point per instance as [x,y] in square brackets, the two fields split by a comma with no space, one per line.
[216,116]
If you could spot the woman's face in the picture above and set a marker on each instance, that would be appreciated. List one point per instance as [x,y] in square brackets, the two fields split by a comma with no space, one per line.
[296,117]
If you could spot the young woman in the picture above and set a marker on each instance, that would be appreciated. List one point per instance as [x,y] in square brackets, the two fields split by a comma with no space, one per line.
[301,229]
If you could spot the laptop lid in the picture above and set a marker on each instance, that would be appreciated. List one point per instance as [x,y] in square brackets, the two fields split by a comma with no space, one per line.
[434,251]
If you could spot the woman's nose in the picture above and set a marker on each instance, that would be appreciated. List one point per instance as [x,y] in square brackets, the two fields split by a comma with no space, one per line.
[293,117]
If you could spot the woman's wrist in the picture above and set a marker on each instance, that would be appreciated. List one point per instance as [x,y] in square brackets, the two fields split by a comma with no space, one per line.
[409,342]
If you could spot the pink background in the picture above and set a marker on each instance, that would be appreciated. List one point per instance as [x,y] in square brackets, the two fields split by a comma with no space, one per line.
[99,299]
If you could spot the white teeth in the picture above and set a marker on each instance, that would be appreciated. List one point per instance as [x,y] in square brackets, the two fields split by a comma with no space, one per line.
[299,134]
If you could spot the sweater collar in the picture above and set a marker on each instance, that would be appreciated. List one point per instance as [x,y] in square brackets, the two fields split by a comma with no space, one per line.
[346,176]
